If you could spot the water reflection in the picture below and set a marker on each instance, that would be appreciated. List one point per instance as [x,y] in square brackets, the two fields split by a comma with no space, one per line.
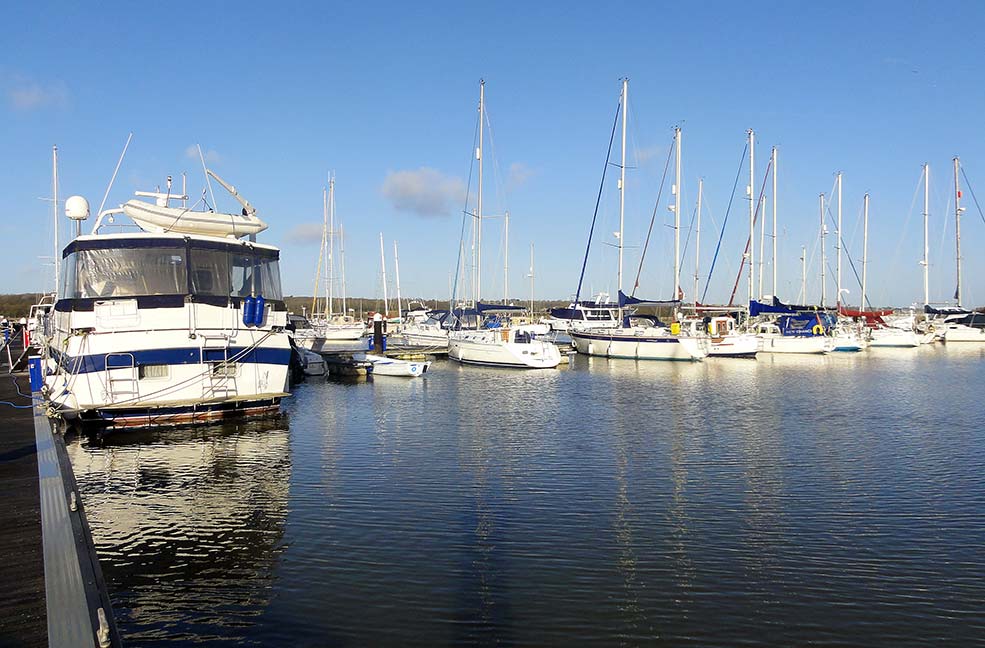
[830,499]
[188,524]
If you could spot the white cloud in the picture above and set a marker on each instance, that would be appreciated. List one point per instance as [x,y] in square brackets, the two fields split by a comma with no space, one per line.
[28,94]
[211,156]
[424,191]
[520,173]
[305,234]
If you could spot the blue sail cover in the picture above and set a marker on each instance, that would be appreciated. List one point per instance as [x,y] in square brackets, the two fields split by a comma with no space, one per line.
[944,310]
[802,324]
[626,300]
[775,308]
[487,308]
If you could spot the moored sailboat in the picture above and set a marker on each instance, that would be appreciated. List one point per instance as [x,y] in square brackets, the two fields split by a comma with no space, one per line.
[651,341]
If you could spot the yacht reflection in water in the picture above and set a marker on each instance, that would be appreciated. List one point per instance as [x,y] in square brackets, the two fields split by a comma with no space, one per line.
[205,506]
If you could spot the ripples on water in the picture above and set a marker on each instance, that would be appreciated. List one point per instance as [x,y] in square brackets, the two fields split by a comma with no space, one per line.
[832,500]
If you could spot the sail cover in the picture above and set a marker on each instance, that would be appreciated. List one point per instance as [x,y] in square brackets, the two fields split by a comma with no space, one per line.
[626,300]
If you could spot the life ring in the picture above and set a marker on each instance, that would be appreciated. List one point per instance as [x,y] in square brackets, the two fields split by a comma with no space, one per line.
[817,330]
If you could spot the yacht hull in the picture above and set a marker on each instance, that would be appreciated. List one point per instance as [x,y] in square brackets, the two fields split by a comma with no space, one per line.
[734,346]
[962,333]
[492,348]
[640,345]
[792,344]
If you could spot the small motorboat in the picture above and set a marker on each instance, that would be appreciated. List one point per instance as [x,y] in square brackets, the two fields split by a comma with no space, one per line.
[384,366]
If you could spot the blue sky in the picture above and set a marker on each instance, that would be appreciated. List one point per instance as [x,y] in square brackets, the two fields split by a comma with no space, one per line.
[385,95]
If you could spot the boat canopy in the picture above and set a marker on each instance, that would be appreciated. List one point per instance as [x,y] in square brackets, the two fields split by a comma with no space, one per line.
[944,310]
[113,268]
[649,320]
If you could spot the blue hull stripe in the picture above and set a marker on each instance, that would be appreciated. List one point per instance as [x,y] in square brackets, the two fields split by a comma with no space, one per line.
[179,356]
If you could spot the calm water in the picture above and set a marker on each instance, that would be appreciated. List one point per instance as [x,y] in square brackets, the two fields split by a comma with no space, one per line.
[834,500]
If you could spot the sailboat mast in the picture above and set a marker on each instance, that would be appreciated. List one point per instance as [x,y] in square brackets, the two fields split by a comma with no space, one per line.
[331,248]
[622,184]
[54,193]
[823,294]
[762,249]
[506,258]
[345,310]
[677,212]
[478,222]
[531,280]
[396,269]
[697,242]
[752,210]
[865,245]
[386,300]
[773,165]
[957,227]
[838,245]
[803,272]
[926,234]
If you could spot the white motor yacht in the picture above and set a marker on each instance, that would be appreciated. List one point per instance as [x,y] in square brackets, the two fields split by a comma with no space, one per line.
[970,328]
[166,327]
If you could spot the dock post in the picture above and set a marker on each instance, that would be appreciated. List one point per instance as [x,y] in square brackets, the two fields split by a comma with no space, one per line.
[378,345]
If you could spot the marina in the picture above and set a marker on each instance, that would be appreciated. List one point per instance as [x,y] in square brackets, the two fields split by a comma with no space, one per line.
[440,325]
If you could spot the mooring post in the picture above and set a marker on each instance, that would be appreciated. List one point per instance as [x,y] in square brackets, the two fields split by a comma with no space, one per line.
[378,346]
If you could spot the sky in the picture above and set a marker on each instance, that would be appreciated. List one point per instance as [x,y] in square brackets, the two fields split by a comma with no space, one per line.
[384,95]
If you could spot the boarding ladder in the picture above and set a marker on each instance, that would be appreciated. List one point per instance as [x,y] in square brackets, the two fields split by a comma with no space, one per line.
[122,379]
[220,379]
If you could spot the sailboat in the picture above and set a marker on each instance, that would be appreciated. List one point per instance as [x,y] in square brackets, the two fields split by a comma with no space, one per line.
[332,325]
[646,338]
[971,326]
[725,340]
[882,333]
[489,342]
[778,327]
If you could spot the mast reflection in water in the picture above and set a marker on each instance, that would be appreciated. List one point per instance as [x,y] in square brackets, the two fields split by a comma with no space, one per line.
[783,501]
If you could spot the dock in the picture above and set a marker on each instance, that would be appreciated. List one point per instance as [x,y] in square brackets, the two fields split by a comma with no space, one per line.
[53,591]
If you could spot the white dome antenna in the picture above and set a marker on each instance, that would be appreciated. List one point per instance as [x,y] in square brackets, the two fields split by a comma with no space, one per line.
[77,208]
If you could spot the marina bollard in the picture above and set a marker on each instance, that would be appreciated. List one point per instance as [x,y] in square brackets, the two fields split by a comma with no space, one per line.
[379,344]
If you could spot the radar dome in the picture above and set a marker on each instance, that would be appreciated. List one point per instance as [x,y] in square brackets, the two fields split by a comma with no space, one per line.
[77,208]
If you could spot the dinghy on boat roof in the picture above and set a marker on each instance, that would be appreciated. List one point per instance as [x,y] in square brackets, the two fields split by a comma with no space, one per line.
[159,217]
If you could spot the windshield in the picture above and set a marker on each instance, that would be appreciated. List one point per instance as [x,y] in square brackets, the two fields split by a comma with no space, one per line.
[125,273]
[166,270]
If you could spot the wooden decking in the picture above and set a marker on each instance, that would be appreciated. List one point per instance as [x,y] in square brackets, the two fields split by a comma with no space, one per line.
[52,591]
[23,621]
